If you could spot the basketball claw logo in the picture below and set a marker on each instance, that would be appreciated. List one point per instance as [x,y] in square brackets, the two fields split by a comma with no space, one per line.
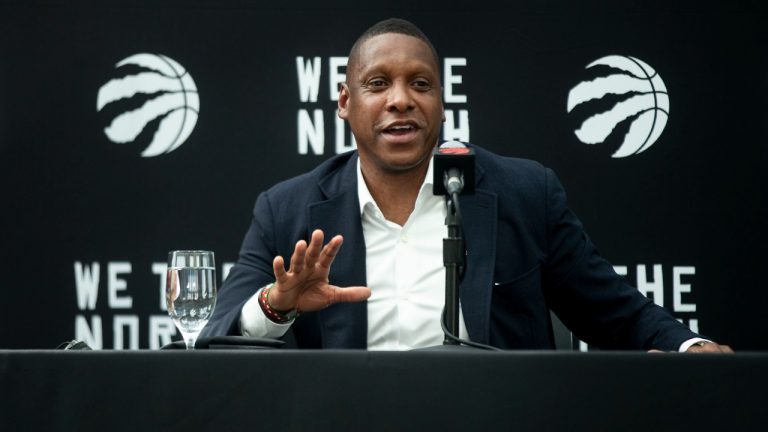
[642,101]
[161,94]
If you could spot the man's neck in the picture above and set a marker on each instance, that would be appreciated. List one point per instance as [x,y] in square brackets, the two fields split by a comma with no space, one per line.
[395,192]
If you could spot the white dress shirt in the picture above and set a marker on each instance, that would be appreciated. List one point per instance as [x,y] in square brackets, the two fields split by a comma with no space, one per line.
[404,269]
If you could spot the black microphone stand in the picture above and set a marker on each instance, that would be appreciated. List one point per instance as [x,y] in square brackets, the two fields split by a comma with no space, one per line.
[454,174]
[453,260]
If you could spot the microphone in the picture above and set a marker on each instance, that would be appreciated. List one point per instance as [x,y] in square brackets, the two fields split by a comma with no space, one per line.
[454,169]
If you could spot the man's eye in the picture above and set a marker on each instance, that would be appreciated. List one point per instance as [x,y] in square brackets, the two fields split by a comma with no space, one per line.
[377,83]
[420,84]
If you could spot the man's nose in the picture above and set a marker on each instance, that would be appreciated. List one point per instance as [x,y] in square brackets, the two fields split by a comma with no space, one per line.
[400,97]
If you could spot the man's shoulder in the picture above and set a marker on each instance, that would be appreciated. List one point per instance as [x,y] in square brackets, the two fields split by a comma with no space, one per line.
[504,169]
[310,180]
[488,157]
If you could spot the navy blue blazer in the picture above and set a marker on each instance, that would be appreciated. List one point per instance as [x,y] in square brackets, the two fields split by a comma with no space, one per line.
[527,253]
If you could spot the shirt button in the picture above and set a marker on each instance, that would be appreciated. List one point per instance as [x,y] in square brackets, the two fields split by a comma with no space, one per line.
[404,238]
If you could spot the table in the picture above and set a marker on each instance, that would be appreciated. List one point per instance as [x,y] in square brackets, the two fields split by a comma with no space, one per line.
[289,390]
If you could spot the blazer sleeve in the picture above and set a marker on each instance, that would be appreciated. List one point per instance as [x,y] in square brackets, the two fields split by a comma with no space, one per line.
[252,271]
[596,303]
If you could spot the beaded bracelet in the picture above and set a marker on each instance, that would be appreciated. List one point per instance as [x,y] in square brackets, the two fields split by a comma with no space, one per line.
[275,315]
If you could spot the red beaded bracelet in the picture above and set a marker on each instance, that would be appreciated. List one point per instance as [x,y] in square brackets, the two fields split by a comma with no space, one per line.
[274,315]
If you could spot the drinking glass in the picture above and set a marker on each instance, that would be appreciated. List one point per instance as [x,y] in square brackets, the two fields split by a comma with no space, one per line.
[190,291]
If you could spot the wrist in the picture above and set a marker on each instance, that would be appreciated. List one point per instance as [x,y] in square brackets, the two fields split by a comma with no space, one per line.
[275,315]
[277,300]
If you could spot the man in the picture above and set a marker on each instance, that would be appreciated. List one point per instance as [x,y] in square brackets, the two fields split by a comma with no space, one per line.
[526,252]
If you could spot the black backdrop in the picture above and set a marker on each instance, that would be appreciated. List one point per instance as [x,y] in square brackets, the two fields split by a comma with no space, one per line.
[689,207]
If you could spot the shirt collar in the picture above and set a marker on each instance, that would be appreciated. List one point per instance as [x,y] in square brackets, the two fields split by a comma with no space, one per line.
[364,196]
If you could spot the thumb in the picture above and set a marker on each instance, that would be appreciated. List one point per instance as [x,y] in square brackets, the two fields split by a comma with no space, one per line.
[350,294]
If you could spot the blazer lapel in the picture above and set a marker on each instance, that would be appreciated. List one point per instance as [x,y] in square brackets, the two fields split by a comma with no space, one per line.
[479,220]
[343,325]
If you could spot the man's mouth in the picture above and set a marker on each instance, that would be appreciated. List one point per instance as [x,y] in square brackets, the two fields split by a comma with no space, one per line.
[400,129]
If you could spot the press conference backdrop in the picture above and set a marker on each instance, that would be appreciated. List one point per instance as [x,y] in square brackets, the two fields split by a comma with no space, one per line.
[128,129]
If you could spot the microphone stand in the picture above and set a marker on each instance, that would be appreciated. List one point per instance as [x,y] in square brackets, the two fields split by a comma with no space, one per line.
[454,174]
[453,260]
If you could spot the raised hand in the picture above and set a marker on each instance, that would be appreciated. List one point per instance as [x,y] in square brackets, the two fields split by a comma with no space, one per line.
[305,285]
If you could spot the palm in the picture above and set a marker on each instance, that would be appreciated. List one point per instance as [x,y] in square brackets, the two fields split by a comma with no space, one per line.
[310,292]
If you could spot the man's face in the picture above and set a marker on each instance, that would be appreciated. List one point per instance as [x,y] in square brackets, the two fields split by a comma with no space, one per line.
[393,102]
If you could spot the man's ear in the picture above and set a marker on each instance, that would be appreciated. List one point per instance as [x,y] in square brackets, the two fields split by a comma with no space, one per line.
[441,103]
[343,101]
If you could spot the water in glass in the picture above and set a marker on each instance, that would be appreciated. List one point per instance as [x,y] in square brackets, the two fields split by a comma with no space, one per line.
[190,291]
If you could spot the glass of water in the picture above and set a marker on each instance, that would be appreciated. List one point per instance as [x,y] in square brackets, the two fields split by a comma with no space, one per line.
[190,291]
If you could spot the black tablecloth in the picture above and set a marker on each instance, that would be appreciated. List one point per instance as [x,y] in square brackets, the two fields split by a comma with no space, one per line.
[359,390]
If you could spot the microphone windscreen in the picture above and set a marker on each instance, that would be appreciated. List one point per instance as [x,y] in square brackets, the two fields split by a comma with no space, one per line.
[453,154]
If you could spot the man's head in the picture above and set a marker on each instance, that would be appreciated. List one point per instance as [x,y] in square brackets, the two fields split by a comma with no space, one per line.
[392,97]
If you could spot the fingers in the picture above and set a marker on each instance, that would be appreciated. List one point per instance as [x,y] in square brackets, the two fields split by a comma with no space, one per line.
[314,248]
[308,261]
[329,252]
[298,257]
[278,267]
[714,348]
[710,347]
[316,253]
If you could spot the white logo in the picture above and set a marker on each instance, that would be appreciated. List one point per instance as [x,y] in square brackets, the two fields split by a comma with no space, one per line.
[171,97]
[643,100]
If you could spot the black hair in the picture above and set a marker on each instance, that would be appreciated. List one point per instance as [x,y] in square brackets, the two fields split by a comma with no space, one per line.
[391,25]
